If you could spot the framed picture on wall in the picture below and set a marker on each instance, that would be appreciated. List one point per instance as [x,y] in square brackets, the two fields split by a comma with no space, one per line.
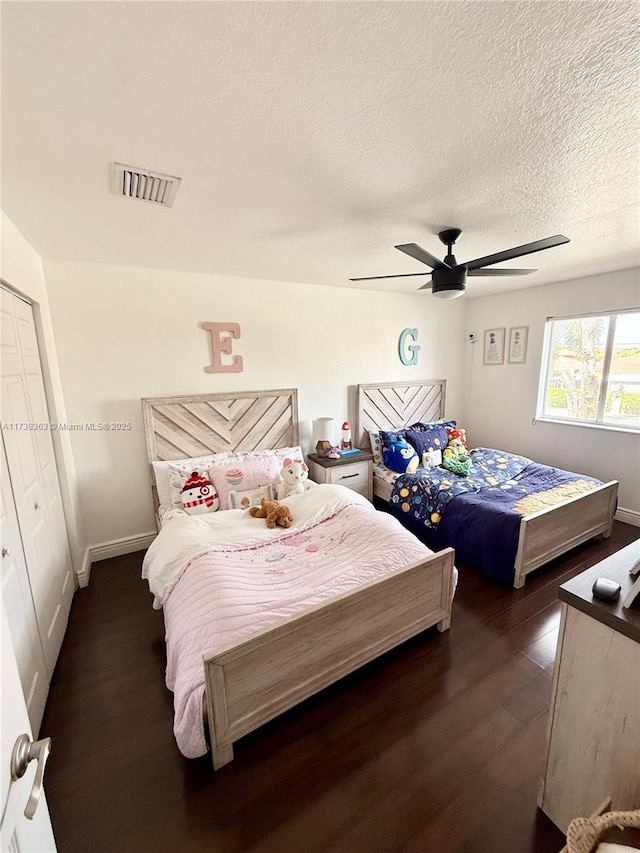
[518,344]
[493,346]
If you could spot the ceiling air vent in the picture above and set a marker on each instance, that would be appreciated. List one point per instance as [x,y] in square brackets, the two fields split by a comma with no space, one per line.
[144,185]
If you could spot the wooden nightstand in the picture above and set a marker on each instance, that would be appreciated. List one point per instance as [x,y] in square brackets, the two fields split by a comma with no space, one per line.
[354,471]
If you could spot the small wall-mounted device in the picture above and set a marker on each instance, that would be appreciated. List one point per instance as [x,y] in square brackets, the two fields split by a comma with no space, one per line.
[471,338]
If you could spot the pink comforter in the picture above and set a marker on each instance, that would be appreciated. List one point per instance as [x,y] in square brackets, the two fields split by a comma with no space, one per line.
[231,591]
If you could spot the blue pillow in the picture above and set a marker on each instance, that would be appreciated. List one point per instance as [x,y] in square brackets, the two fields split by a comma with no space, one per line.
[421,426]
[428,439]
[388,437]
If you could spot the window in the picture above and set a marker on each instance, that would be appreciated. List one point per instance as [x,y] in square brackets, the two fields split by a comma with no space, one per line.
[591,370]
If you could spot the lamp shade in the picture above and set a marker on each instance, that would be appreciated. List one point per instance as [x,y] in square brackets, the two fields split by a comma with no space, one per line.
[324,430]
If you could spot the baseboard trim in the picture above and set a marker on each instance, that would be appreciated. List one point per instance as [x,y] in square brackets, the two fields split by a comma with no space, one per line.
[629,516]
[85,571]
[118,547]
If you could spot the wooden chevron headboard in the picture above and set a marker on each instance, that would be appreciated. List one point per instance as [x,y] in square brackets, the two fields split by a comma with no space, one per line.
[182,427]
[393,405]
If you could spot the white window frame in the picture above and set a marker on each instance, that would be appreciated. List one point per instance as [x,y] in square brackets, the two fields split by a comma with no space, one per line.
[598,423]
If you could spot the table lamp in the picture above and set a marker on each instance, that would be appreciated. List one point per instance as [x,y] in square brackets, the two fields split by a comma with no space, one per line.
[324,433]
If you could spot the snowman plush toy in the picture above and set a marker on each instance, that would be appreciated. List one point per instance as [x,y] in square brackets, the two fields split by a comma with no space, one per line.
[199,495]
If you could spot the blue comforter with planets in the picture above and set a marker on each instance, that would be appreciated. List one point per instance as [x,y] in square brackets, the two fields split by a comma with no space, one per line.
[479,515]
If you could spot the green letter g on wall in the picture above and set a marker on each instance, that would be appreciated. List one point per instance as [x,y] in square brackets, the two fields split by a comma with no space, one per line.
[408,352]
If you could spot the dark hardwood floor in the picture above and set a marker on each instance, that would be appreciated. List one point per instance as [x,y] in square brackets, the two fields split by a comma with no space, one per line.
[435,747]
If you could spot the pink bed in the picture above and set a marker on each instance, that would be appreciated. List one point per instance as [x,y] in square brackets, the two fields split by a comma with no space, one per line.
[217,590]
[258,620]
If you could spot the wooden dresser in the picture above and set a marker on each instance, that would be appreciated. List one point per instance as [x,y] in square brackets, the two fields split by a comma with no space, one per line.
[593,742]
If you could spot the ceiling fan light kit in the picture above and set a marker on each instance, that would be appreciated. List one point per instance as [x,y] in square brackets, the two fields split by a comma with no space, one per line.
[449,278]
[447,291]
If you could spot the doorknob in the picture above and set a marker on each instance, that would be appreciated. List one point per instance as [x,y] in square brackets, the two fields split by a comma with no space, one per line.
[6,552]
[36,505]
[26,750]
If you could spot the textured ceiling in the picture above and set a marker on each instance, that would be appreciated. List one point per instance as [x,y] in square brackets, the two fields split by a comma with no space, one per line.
[313,136]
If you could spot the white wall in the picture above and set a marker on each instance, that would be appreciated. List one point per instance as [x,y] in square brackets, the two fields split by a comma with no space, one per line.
[21,267]
[501,400]
[124,333]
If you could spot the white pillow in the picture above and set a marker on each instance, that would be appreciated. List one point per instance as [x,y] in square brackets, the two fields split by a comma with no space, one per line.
[376,445]
[294,453]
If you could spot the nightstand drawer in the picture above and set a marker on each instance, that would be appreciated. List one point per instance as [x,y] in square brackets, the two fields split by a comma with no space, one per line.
[354,475]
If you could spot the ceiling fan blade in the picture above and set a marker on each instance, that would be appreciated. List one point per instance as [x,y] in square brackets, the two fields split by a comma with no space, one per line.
[500,272]
[516,252]
[402,275]
[420,254]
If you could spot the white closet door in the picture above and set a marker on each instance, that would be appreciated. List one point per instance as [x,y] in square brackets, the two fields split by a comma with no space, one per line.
[21,617]
[44,448]
[33,474]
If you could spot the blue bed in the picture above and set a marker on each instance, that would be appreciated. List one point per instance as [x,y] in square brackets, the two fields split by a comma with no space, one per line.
[505,532]
[480,515]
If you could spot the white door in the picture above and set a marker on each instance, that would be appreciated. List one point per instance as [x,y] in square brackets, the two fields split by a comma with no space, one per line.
[18,834]
[34,481]
[21,615]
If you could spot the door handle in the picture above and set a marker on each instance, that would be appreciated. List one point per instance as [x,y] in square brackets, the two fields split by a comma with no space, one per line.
[26,750]
[6,552]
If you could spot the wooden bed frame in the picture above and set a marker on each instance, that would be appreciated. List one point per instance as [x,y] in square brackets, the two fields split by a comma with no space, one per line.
[253,681]
[543,535]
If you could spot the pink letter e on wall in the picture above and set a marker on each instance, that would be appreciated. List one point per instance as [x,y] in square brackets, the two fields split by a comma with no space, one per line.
[221,342]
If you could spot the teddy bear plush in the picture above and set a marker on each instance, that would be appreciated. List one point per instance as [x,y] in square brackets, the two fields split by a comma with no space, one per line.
[293,475]
[275,513]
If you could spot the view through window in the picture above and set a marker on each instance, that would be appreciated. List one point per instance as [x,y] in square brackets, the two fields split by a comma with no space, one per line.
[591,370]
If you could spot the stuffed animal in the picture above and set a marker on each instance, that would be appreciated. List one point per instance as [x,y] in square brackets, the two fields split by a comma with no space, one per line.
[199,495]
[455,456]
[401,457]
[459,434]
[275,513]
[456,447]
[457,463]
[293,475]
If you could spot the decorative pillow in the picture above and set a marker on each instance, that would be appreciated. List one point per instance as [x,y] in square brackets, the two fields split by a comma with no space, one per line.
[244,472]
[168,496]
[199,495]
[170,476]
[426,441]
[400,456]
[423,425]
[376,445]
[387,438]
[431,458]
[252,497]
